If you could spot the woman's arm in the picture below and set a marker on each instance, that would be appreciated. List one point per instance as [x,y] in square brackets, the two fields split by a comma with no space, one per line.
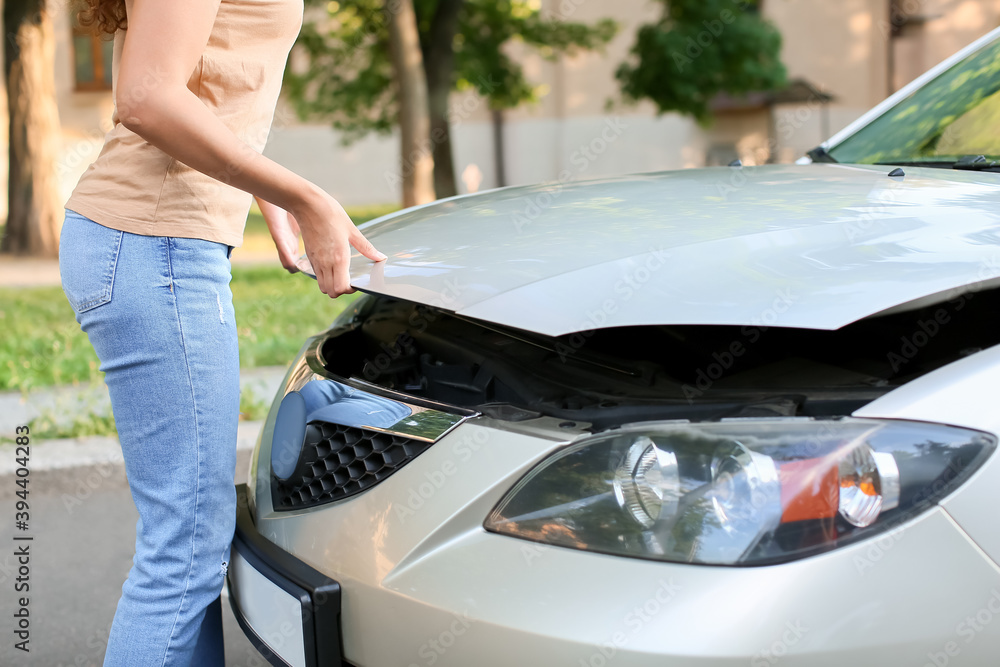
[163,43]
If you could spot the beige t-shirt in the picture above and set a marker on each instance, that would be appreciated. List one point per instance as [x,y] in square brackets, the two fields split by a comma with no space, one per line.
[135,187]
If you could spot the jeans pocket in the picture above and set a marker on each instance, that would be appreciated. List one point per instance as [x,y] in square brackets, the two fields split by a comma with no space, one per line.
[88,255]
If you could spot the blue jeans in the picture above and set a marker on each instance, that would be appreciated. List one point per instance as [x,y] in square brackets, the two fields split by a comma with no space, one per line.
[159,313]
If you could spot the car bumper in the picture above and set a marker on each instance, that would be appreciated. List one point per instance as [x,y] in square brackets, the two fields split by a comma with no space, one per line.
[416,564]
[288,610]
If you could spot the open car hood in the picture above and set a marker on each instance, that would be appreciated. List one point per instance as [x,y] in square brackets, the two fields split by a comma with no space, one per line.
[812,246]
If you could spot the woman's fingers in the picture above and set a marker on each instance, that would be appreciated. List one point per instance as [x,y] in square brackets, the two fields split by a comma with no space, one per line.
[287,245]
[285,233]
[289,261]
[329,236]
[364,246]
[331,259]
[303,264]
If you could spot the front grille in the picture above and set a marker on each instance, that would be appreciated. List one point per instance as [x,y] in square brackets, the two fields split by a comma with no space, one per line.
[339,461]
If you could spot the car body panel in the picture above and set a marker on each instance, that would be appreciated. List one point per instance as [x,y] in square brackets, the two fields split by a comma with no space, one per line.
[815,246]
[964,393]
[412,558]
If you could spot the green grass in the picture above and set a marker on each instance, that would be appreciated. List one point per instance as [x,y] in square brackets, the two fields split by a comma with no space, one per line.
[252,406]
[42,344]
[48,426]
[62,421]
[276,311]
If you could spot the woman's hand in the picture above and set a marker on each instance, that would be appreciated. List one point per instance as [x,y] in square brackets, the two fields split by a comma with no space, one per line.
[285,232]
[328,234]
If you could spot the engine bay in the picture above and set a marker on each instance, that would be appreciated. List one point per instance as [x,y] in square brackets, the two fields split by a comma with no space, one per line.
[613,376]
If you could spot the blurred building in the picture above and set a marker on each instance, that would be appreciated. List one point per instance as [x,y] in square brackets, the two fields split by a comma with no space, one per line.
[842,57]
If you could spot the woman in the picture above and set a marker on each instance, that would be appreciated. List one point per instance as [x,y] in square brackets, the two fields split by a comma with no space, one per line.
[144,258]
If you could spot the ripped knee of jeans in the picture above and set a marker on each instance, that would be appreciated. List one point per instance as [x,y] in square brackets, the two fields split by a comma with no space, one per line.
[218,300]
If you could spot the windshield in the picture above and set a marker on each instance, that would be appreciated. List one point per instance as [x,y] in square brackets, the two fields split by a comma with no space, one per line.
[954,115]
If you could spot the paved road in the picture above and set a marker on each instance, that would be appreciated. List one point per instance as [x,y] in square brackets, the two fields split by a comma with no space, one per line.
[79,558]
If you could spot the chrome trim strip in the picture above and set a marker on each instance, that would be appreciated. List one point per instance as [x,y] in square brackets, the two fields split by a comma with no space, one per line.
[415,418]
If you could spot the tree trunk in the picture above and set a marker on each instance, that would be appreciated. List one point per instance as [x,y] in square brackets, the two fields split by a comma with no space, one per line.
[499,157]
[34,206]
[414,123]
[439,61]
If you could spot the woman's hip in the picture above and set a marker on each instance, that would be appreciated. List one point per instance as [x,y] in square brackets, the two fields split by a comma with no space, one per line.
[95,261]
[159,313]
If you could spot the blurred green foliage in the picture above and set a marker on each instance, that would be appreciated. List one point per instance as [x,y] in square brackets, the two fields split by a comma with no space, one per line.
[699,49]
[348,79]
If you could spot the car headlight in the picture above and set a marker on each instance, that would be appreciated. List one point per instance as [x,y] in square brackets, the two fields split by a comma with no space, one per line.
[739,492]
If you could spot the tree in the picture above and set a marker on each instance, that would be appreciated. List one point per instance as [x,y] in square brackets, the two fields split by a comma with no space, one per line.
[33,203]
[414,121]
[346,74]
[701,48]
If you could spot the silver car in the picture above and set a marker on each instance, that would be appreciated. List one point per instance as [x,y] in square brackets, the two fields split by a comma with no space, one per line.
[700,418]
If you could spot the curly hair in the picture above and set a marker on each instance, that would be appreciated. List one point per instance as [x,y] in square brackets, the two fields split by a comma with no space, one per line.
[103,16]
